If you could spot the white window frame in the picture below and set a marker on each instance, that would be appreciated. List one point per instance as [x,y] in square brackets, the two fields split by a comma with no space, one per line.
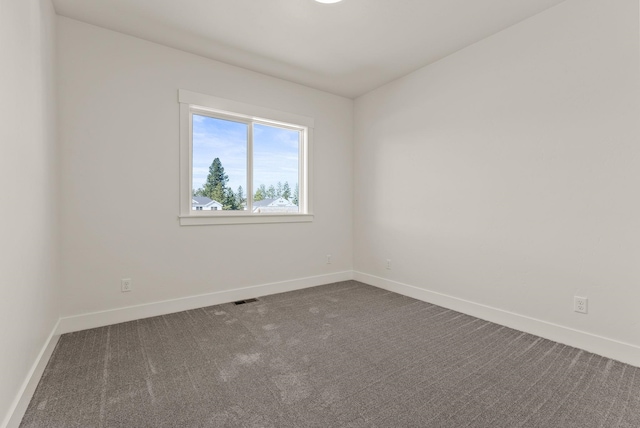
[201,104]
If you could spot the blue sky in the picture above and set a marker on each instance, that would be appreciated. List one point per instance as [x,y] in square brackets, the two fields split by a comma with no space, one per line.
[275,152]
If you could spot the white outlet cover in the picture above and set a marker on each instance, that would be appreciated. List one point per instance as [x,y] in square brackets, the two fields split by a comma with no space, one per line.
[580,304]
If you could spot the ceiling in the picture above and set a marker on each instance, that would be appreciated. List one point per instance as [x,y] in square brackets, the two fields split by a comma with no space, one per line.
[347,48]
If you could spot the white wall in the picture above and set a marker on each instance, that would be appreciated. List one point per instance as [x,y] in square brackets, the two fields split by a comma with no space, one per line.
[507,174]
[28,189]
[119,120]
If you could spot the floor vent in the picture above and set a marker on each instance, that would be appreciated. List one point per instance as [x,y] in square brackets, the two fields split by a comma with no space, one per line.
[242,302]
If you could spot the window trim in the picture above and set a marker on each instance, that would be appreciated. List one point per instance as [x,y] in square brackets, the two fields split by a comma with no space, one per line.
[191,102]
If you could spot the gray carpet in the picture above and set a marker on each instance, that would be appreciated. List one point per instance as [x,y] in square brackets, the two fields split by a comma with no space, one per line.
[338,355]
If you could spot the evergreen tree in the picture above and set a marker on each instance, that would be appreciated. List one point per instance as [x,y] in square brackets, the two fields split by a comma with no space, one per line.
[240,197]
[218,194]
[286,190]
[230,200]
[279,189]
[261,193]
[296,194]
[271,192]
[216,182]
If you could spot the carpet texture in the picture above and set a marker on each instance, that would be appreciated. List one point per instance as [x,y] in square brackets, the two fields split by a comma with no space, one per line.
[338,355]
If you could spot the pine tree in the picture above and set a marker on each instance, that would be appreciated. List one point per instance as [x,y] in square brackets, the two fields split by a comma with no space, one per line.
[261,193]
[286,190]
[279,189]
[271,192]
[216,183]
[230,200]
[240,197]
[296,194]
[218,194]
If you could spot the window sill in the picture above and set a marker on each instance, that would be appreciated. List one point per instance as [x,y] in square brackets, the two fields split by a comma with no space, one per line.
[195,220]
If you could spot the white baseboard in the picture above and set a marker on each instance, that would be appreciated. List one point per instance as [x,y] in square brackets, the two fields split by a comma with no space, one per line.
[131,313]
[621,351]
[21,402]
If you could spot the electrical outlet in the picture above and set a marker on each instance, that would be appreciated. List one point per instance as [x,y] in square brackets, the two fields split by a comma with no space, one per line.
[580,304]
[126,284]
[328,259]
[389,264]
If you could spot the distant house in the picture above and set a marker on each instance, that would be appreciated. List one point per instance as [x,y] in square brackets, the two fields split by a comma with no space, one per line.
[277,205]
[202,203]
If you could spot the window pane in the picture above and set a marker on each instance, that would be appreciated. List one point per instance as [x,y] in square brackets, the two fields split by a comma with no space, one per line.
[219,164]
[275,169]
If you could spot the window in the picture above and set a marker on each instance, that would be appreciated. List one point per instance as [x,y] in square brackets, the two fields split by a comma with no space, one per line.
[248,163]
